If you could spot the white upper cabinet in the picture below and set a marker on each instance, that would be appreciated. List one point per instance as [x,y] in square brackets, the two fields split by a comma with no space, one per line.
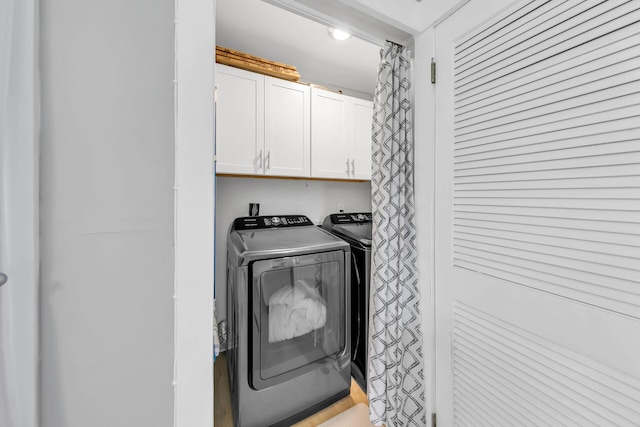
[270,126]
[362,121]
[340,136]
[329,135]
[262,124]
[239,121]
[287,128]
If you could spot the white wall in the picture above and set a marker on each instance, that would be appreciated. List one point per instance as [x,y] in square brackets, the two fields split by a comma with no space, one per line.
[107,176]
[315,199]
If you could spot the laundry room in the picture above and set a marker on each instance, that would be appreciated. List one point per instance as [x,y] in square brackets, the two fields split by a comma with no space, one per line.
[518,296]
[288,148]
[514,133]
[346,69]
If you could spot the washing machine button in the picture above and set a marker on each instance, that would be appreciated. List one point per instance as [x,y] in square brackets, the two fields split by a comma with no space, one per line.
[275,221]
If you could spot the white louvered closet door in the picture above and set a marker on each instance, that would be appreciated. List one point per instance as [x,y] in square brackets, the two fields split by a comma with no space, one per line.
[538,214]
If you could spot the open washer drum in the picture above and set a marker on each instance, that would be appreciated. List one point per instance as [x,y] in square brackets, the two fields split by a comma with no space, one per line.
[288,308]
[355,228]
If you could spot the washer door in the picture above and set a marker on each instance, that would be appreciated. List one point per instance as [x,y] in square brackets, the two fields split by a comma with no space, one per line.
[299,312]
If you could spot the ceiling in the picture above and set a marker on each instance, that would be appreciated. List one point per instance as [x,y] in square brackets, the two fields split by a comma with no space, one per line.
[295,32]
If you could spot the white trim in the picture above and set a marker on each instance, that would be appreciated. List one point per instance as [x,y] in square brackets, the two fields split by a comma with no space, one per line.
[447,14]
[19,218]
[320,17]
[194,208]
[425,201]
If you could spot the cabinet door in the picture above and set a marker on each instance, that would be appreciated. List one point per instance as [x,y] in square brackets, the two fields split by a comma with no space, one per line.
[287,128]
[361,121]
[329,135]
[239,121]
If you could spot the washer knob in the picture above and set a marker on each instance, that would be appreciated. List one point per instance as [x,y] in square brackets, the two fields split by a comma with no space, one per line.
[275,220]
[361,217]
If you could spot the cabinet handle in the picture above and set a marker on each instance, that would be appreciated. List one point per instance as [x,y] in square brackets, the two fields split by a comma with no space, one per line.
[353,167]
[348,167]
[268,160]
[259,166]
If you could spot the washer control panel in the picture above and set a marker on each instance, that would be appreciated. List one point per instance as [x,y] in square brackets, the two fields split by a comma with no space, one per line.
[350,218]
[279,221]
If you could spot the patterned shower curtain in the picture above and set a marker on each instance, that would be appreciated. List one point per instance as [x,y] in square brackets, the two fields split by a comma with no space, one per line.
[396,388]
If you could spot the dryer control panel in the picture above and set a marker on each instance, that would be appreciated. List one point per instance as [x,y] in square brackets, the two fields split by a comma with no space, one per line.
[350,218]
[276,221]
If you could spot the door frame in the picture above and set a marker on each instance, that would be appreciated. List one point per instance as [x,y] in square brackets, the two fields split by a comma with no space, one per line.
[19,227]
[194,212]
[425,194]
[424,136]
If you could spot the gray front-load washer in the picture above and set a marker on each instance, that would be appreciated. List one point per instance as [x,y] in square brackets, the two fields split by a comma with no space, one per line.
[288,309]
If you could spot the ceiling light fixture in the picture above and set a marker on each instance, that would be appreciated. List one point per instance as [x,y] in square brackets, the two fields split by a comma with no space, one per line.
[338,34]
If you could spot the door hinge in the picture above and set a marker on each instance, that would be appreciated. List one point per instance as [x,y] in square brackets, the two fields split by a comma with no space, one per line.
[433,420]
[433,70]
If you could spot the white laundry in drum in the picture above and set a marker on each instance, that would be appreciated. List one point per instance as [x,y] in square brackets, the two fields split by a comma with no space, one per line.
[295,310]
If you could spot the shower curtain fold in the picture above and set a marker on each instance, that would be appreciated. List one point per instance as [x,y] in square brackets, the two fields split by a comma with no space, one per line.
[396,387]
